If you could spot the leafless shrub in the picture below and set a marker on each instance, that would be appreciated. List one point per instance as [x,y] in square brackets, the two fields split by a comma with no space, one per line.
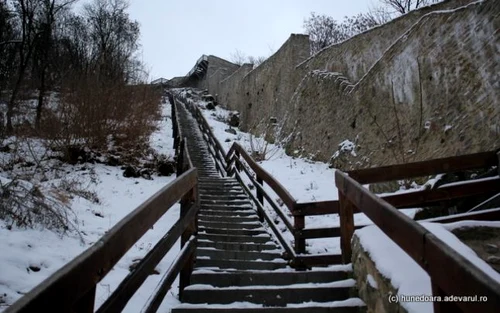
[272,140]
[26,205]
[91,117]
[27,199]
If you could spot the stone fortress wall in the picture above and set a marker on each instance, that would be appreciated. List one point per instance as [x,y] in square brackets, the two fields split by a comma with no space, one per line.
[425,85]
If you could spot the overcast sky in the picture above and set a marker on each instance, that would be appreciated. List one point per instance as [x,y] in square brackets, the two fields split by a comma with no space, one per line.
[174,34]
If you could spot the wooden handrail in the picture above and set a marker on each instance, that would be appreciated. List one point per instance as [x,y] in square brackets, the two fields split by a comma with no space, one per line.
[458,277]
[290,253]
[262,176]
[424,168]
[72,288]
[287,198]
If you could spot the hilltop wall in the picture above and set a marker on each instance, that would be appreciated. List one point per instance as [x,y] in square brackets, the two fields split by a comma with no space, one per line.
[425,85]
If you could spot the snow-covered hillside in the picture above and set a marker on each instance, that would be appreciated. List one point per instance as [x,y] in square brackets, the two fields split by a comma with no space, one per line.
[28,256]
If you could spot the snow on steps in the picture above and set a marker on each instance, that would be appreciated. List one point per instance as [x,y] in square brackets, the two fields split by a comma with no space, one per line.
[239,267]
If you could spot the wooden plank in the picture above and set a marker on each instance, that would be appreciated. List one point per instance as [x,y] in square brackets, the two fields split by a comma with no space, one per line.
[457,276]
[486,215]
[268,219]
[299,223]
[346,217]
[270,200]
[260,196]
[260,190]
[317,208]
[65,287]
[127,288]
[405,232]
[86,303]
[161,290]
[313,233]
[264,175]
[442,306]
[424,168]
[319,260]
[435,196]
[187,155]
[498,162]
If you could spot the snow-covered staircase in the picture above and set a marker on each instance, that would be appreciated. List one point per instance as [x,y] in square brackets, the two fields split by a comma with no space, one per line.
[239,268]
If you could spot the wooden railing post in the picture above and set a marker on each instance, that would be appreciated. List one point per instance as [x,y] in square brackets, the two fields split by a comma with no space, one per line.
[299,223]
[260,197]
[442,306]
[86,303]
[346,217]
[188,202]
[498,165]
[237,156]
[180,158]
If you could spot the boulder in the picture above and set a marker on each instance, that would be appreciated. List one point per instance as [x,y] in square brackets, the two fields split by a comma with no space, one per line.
[130,171]
[234,119]
[231,131]
[210,106]
[166,168]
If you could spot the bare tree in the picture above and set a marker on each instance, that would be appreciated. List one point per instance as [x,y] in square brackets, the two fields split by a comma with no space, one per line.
[405,6]
[324,31]
[8,41]
[44,47]
[256,61]
[26,12]
[114,36]
[238,57]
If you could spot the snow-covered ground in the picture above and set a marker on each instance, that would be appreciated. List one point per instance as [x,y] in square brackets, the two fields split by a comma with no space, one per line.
[27,257]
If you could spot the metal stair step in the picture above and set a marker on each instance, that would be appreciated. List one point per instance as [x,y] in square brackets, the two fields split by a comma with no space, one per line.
[240,264]
[237,255]
[352,305]
[237,246]
[270,295]
[227,207]
[277,278]
[239,232]
[229,225]
[225,202]
[225,217]
[234,238]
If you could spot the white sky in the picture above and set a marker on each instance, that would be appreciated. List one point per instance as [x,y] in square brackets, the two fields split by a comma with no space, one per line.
[175,33]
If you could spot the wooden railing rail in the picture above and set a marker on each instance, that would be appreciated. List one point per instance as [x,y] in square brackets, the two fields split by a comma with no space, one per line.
[72,288]
[425,168]
[262,175]
[235,158]
[450,272]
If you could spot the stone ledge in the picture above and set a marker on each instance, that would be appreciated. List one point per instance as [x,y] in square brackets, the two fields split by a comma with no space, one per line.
[373,287]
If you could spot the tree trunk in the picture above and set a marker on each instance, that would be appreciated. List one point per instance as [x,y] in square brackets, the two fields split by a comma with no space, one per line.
[41,95]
